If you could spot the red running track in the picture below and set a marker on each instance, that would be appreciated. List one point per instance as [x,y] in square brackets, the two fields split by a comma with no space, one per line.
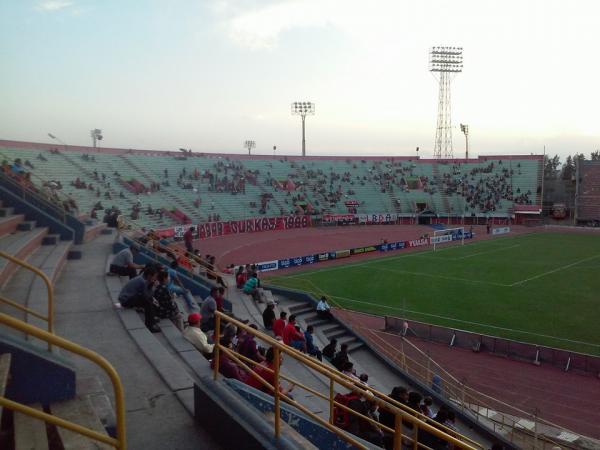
[266,246]
[565,398]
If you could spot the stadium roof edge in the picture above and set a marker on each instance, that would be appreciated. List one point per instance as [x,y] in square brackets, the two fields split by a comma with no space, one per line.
[123,151]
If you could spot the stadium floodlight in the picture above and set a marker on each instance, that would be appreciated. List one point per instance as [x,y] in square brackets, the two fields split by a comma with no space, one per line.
[465,129]
[249,145]
[96,135]
[303,109]
[60,141]
[444,63]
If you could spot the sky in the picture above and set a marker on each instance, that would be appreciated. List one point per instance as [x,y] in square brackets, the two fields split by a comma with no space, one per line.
[208,75]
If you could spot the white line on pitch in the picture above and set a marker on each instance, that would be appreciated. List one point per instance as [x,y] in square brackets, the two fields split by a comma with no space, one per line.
[485,253]
[553,271]
[463,321]
[431,275]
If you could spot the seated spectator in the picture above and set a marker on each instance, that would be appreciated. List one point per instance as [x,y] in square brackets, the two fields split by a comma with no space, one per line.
[137,293]
[279,324]
[123,265]
[188,239]
[196,336]
[227,367]
[349,371]
[251,287]
[247,346]
[167,308]
[269,315]
[265,371]
[341,357]
[323,309]
[330,349]
[207,311]
[387,417]
[426,407]
[311,348]
[292,336]
[240,277]
[176,286]
[361,427]
[220,298]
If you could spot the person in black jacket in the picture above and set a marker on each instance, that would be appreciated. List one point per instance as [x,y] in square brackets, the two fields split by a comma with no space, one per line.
[269,315]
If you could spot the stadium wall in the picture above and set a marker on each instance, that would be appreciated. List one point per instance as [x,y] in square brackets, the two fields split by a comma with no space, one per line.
[522,351]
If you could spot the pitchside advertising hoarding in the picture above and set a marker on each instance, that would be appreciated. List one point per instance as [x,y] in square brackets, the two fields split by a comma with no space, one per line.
[501,230]
[286,263]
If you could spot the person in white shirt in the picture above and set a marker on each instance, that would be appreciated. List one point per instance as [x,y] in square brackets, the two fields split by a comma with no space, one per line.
[323,309]
[196,336]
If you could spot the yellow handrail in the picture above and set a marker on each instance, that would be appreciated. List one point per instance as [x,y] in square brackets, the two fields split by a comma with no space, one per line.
[334,376]
[49,318]
[120,441]
[462,392]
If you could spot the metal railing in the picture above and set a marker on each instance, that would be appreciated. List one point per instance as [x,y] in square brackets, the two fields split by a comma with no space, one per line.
[160,248]
[29,193]
[402,414]
[500,415]
[49,317]
[120,441]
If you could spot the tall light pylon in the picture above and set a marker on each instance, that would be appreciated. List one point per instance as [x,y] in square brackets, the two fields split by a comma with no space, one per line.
[444,63]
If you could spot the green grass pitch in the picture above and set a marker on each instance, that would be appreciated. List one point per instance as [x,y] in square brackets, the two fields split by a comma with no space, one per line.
[542,288]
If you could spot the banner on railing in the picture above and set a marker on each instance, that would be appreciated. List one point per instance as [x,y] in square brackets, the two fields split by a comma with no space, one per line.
[333,218]
[214,229]
[266,266]
[377,218]
[500,230]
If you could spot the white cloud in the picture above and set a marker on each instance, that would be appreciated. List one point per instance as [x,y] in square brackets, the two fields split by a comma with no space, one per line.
[53,5]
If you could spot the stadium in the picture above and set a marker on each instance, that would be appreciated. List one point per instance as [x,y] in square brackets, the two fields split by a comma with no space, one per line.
[225,263]
[442,282]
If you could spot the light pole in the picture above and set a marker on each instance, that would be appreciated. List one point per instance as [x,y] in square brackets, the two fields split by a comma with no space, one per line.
[303,109]
[465,129]
[96,135]
[249,145]
[60,141]
[445,62]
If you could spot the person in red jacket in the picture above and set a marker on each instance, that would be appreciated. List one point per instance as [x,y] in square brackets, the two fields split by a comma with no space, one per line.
[279,324]
[293,336]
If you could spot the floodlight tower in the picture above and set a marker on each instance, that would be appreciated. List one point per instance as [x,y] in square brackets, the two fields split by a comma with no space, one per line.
[444,63]
[96,135]
[465,129]
[303,109]
[249,145]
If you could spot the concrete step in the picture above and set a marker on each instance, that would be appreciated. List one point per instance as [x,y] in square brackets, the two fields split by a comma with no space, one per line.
[51,239]
[30,433]
[357,345]
[26,225]
[7,211]
[308,309]
[347,339]
[80,411]
[332,329]
[336,333]
[293,308]
[9,224]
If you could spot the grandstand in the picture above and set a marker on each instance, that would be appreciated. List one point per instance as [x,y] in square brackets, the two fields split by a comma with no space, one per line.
[171,188]
[588,192]
[166,393]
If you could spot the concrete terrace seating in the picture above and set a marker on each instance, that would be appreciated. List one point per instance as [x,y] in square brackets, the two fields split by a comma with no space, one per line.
[377,184]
